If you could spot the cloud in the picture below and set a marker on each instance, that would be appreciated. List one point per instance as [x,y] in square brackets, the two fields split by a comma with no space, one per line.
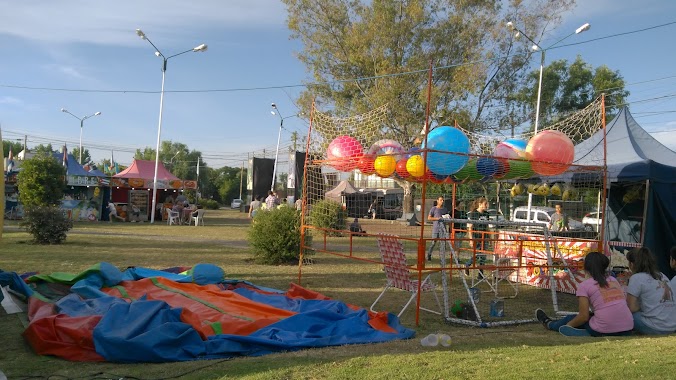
[68,71]
[113,22]
[10,100]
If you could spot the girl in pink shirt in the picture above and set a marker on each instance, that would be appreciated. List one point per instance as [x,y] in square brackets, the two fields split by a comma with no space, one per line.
[610,314]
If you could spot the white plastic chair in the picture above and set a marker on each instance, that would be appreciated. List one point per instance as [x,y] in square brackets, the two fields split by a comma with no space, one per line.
[199,219]
[173,217]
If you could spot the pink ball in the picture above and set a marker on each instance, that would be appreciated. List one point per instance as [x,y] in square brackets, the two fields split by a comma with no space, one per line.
[551,152]
[344,152]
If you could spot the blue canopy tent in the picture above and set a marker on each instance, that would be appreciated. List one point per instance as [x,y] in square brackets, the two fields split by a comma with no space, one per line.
[642,185]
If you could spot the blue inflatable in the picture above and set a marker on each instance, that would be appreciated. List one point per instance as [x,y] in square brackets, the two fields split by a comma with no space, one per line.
[453,147]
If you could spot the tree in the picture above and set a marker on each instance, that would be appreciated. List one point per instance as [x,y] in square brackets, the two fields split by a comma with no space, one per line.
[41,181]
[394,42]
[176,157]
[86,157]
[16,147]
[569,88]
[43,149]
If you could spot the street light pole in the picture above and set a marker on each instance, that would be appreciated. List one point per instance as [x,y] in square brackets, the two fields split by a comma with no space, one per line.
[537,47]
[82,119]
[279,137]
[200,48]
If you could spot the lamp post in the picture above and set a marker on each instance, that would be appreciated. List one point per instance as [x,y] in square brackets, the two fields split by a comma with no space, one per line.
[82,119]
[536,47]
[199,48]
[279,136]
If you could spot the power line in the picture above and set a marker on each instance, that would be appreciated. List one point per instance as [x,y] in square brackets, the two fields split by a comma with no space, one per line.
[241,89]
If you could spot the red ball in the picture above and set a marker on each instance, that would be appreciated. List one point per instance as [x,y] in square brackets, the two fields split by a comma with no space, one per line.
[401,169]
[551,152]
[365,164]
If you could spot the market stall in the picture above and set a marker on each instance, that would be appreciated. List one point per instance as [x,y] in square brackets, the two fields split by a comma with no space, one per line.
[131,189]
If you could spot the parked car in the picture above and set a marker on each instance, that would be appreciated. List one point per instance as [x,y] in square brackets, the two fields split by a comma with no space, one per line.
[543,215]
[236,203]
[592,221]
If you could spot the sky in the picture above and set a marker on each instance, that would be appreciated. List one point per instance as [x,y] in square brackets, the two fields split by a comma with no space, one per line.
[77,45]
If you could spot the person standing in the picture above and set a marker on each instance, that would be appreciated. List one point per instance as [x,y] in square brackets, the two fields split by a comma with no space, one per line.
[438,227]
[477,232]
[254,206]
[559,221]
[270,201]
[601,292]
[649,295]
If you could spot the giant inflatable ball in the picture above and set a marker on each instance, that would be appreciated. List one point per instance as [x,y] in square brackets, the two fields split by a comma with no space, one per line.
[550,152]
[385,165]
[415,166]
[343,153]
[453,147]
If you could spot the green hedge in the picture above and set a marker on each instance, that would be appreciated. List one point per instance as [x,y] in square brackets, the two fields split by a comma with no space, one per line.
[275,236]
[328,214]
[47,224]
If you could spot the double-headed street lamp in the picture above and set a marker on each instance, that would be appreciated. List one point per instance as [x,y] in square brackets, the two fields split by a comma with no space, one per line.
[82,119]
[275,111]
[158,53]
[536,47]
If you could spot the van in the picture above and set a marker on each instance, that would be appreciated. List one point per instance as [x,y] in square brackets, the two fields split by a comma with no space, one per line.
[542,215]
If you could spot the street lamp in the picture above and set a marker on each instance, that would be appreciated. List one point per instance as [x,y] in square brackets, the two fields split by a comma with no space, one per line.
[279,136]
[82,119]
[536,47]
[199,48]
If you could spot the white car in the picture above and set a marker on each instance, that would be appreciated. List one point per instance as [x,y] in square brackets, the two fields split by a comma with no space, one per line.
[236,203]
[592,221]
[543,215]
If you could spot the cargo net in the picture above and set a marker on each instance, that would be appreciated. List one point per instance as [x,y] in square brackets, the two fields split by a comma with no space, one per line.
[356,182]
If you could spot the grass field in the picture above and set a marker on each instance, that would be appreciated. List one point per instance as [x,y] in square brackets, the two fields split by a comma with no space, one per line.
[517,352]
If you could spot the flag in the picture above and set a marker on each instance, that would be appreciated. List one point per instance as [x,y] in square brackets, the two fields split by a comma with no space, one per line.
[10,161]
[65,157]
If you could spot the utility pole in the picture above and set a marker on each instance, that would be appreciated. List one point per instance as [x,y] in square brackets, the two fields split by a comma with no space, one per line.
[25,143]
[241,173]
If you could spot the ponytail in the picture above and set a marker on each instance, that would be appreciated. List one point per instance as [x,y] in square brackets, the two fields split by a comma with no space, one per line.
[596,264]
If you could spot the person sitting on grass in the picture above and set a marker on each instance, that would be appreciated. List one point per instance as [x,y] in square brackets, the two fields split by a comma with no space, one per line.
[649,295]
[611,315]
[355,227]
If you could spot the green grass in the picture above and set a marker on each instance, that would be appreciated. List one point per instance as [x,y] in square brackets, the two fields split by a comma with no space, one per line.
[516,352]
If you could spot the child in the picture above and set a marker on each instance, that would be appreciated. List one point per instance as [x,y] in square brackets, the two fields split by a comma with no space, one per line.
[604,294]
[649,295]
[113,212]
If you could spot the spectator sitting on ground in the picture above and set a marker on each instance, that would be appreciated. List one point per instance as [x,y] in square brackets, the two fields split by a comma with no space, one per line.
[356,227]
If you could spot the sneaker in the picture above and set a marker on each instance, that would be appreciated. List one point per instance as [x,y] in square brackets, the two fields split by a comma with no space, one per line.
[542,317]
[572,331]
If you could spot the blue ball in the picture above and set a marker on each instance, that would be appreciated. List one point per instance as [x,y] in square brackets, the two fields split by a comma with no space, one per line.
[487,166]
[446,139]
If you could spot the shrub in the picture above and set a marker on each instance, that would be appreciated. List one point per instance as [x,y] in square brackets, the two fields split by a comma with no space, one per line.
[208,204]
[328,214]
[275,236]
[47,224]
[41,181]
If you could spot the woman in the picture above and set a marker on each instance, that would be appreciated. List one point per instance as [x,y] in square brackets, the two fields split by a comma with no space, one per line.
[649,295]
[478,232]
[604,294]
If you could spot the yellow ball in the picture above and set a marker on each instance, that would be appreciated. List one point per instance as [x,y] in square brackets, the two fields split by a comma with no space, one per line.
[415,166]
[385,165]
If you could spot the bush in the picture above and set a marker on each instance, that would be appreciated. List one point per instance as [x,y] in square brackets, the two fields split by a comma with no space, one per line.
[208,204]
[275,236]
[41,181]
[47,224]
[328,214]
